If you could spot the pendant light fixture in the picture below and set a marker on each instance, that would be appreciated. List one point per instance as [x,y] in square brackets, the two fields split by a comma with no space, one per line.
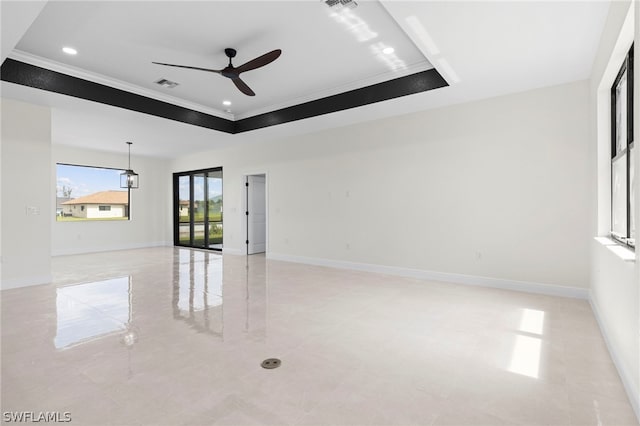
[129,179]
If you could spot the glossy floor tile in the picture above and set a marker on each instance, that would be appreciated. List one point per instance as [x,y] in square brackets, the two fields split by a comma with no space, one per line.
[169,336]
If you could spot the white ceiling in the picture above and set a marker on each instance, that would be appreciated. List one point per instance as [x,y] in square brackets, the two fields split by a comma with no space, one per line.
[482,48]
[324,50]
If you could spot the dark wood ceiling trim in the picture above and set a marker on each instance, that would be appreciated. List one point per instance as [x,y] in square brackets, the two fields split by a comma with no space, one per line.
[41,78]
[402,86]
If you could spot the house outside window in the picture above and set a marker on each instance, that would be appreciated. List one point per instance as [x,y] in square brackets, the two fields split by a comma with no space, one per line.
[623,176]
[90,193]
[94,206]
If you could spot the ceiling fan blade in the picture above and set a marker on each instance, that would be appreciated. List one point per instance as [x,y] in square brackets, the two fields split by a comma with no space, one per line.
[242,86]
[260,61]
[186,66]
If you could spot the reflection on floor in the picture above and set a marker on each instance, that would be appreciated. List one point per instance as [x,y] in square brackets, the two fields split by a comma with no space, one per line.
[176,336]
[90,310]
[197,293]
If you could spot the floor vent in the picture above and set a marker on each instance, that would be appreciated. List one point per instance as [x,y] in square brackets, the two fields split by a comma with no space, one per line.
[271,363]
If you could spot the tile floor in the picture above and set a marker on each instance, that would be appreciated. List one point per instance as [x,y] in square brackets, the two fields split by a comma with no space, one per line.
[173,336]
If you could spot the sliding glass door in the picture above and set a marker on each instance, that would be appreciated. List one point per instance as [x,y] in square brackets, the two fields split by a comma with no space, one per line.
[198,208]
[214,209]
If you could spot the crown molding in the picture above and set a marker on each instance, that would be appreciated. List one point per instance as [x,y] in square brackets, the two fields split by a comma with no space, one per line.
[115,83]
[346,87]
[39,77]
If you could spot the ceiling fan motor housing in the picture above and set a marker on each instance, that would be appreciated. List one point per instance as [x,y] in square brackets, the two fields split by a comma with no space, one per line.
[232,72]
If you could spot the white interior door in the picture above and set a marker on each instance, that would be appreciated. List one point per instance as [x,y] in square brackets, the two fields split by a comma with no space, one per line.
[257,214]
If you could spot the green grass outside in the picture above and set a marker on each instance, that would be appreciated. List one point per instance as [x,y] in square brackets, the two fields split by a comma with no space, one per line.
[199,217]
[215,236]
[200,241]
[84,219]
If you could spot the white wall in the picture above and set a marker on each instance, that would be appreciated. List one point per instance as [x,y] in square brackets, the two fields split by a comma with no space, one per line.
[26,197]
[115,210]
[615,283]
[150,223]
[30,233]
[495,188]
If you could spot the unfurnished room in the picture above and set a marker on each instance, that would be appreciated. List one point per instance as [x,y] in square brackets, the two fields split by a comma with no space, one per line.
[319,212]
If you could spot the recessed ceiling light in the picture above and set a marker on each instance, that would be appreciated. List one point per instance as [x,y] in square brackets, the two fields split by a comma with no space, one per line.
[388,50]
[69,50]
[226,103]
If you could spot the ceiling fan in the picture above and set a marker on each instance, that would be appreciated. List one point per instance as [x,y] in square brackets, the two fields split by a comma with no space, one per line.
[234,73]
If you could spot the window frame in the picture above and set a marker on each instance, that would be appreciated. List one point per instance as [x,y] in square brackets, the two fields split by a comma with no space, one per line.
[127,208]
[626,68]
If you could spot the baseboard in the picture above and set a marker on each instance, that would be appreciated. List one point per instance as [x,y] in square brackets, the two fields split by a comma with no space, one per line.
[87,250]
[25,282]
[237,252]
[524,286]
[623,371]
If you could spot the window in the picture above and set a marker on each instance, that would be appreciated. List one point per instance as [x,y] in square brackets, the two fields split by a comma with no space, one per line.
[623,180]
[85,193]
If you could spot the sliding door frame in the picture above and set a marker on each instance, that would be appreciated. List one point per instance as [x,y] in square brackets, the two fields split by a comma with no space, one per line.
[176,208]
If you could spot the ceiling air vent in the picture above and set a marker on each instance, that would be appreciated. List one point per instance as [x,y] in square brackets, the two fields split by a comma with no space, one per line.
[341,3]
[167,83]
